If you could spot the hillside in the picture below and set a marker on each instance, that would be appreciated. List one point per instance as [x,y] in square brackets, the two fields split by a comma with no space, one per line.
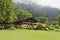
[37,10]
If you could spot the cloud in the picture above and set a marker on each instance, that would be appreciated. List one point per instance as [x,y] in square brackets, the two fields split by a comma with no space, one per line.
[52,3]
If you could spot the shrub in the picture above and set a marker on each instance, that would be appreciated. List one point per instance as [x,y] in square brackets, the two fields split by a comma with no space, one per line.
[17,26]
[51,27]
[57,26]
[12,28]
[1,27]
[58,19]
[43,19]
[47,25]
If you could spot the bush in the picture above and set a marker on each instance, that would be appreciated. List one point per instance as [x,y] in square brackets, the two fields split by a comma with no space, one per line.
[57,30]
[17,26]
[57,26]
[12,28]
[1,27]
[58,19]
[49,26]
[43,19]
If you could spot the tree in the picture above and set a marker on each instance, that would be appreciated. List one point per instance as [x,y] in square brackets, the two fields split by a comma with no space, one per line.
[43,19]
[6,11]
[22,14]
[58,19]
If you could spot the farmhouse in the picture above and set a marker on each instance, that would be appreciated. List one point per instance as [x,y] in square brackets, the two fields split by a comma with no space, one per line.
[25,20]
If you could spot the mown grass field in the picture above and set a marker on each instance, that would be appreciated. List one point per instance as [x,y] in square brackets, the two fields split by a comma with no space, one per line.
[28,35]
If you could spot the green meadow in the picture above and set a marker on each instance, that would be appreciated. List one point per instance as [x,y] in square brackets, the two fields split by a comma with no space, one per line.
[19,34]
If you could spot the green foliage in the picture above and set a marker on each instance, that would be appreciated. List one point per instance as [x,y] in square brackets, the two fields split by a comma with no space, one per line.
[9,15]
[22,14]
[18,26]
[43,19]
[46,25]
[1,27]
[57,26]
[51,26]
[6,11]
[12,28]
[58,19]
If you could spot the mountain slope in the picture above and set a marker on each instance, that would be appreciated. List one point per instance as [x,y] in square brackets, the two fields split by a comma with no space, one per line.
[37,10]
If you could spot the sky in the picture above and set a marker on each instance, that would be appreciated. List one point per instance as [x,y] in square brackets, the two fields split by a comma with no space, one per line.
[52,3]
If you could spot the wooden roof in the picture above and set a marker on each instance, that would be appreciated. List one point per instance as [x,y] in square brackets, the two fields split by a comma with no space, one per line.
[25,20]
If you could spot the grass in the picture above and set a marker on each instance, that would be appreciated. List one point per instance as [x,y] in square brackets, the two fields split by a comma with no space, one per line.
[28,35]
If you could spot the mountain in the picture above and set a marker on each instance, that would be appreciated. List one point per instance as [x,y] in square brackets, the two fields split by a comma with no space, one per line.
[37,10]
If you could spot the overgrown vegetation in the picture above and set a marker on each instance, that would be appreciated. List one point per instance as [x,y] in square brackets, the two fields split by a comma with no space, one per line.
[20,13]
[58,19]
[43,19]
